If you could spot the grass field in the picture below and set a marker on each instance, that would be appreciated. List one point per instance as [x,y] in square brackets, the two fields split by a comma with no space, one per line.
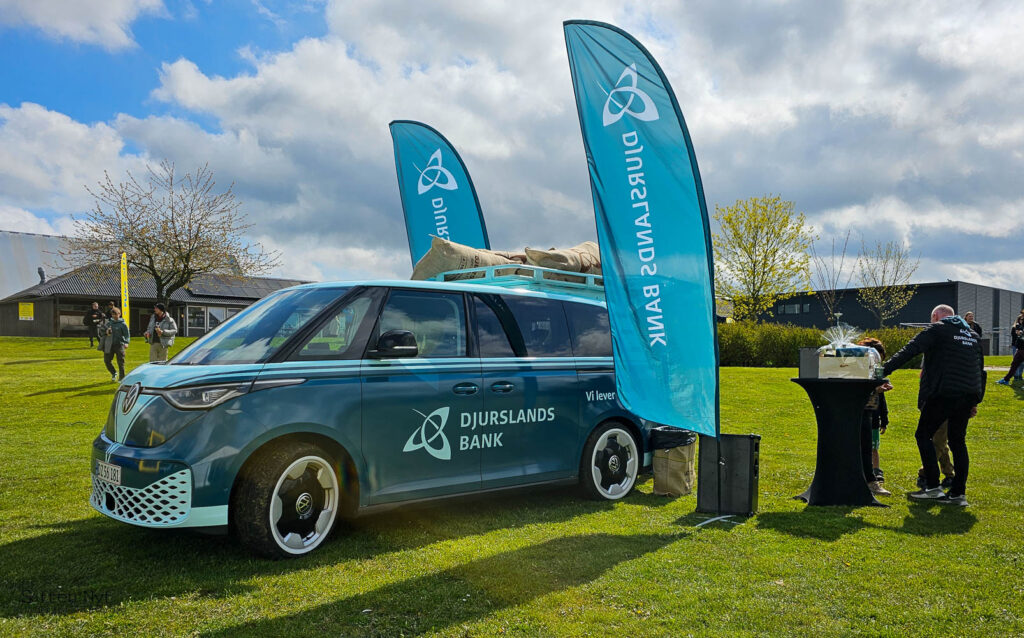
[1002,361]
[540,563]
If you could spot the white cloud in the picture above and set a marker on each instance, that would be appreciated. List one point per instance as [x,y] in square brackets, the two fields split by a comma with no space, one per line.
[1000,274]
[47,159]
[106,23]
[23,221]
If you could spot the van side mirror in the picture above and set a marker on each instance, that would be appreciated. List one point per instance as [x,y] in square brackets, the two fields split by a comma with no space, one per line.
[395,343]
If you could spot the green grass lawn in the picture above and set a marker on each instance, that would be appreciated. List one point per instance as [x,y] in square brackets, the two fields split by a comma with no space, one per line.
[539,563]
[998,360]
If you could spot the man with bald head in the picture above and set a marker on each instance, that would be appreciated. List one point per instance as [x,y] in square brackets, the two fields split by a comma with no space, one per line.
[952,385]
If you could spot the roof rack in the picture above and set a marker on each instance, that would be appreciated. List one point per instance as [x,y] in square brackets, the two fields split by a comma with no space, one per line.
[530,278]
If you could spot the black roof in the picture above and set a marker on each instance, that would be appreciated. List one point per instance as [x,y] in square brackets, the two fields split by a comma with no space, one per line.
[104,282]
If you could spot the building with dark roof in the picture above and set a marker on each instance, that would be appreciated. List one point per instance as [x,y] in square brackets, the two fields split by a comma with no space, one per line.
[995,309]
[57,306]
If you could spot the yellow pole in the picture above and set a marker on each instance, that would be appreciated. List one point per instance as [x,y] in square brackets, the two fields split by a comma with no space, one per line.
[124,287]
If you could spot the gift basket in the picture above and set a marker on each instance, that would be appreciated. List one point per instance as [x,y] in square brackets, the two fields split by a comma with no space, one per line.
[841,357]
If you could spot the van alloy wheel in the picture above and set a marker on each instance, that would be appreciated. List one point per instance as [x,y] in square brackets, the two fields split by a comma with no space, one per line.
[286,500]
[305,504]
[611,463]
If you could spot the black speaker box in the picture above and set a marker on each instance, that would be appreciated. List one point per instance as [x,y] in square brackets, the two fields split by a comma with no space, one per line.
[727,474]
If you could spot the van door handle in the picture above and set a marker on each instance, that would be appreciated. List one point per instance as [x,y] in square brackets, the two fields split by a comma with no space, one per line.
[465,388]
[502,386]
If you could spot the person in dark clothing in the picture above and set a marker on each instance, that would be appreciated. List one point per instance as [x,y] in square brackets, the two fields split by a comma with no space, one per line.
[109,312]
[93,318]
[975,326]
[117,340]
[952,386]
[1017,341]
[874,421]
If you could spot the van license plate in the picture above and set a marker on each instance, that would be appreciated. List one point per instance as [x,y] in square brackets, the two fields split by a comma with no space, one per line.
[108,473]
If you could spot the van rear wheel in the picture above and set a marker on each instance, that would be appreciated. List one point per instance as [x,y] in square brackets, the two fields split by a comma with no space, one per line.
[286,501]
[610,463]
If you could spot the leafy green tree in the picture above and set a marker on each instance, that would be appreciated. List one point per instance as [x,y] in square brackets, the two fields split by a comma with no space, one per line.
[761,254]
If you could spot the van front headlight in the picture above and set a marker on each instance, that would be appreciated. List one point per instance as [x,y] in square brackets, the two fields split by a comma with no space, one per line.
[204,397]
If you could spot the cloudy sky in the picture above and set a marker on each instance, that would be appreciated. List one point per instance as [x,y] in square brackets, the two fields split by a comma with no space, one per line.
[898,120]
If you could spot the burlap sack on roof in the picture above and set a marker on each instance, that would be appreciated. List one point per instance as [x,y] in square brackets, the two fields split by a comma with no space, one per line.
[583,258]
[446,255]
[519,258]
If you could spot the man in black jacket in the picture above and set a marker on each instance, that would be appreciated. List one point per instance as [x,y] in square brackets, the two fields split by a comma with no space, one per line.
[952,385]
[93,317]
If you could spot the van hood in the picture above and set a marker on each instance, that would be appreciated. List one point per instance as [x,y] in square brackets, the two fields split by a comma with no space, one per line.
[163,375]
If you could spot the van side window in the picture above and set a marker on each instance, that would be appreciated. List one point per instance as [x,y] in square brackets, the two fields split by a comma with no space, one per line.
[542,324]
[336,339]
[492,340]
[591,332]
[436,318]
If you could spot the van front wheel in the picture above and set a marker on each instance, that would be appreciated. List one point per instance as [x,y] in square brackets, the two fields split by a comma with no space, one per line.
[286,501]
[610,463]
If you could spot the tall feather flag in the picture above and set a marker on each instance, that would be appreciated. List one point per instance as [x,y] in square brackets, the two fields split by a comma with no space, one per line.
[438,196]
[652,226]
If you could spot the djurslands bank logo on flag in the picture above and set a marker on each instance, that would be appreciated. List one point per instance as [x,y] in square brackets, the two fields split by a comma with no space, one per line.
[624,95]
[421,439]
[433,174]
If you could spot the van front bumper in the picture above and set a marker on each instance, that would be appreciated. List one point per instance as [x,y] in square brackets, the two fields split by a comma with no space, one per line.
[152,492]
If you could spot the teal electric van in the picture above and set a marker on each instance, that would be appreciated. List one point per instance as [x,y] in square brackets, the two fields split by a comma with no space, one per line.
[334,399]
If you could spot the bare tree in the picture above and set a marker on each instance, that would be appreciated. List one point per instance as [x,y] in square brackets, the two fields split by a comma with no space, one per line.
[885,270]
[830,275]
[760,254]
[173,228]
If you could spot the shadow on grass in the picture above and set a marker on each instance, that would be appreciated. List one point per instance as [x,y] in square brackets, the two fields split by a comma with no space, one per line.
[829,524]
[820,523]
[73,389]
[62,359]
[467,592]
[96,562]
[109,391]
[1018,390]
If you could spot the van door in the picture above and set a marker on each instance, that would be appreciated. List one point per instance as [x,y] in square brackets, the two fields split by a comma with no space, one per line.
[412,406]
[528,430]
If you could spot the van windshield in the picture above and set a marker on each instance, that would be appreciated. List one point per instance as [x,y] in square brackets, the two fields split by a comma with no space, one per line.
[254,334]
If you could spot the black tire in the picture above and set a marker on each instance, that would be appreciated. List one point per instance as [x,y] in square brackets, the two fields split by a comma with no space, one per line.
[308,505]
[610,473]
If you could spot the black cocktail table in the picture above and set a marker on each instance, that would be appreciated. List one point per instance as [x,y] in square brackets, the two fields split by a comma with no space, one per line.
[839,471]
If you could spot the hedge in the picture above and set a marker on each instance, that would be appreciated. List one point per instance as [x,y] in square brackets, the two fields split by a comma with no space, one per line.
[772,345]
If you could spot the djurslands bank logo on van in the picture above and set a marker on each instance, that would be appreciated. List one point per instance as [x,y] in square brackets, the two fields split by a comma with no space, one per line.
[428,432]
[623,96]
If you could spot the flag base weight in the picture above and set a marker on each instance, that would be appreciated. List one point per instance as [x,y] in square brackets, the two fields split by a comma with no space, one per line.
[727,474]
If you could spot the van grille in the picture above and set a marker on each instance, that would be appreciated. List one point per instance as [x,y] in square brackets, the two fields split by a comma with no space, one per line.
[164,502]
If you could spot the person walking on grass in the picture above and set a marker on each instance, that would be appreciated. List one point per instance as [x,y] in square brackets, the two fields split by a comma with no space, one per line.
[92,320]
[160,333]
[1017,341]
[115,344]
[952,386]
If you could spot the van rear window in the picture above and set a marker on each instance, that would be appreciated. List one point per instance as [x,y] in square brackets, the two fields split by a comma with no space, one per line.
[542,324]
[591,332]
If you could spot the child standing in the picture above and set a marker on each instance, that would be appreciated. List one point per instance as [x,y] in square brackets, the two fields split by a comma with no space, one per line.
[873,424]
